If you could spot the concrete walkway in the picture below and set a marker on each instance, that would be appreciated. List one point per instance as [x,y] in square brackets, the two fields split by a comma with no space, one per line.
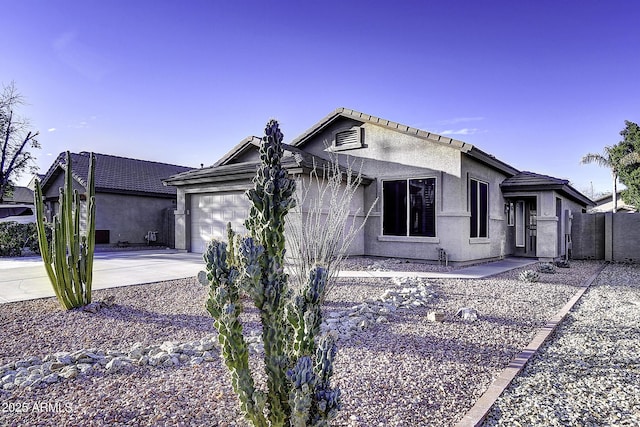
[478,271]
[25,278]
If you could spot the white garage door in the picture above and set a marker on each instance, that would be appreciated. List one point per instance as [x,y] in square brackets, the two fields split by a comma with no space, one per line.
[210,214]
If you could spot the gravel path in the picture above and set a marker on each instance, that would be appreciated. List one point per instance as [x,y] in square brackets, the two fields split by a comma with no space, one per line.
[588,373]
[406,372]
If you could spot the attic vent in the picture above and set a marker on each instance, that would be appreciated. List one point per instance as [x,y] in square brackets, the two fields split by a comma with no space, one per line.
[349,138]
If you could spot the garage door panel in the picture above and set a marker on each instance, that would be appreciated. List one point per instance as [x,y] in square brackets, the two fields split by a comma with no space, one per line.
[210,214]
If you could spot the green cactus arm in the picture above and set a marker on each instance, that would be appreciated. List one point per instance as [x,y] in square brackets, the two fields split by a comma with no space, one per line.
[59,264]
[45,249]
[91,243]
[74,247]
[224,306]
[68,258]
[305,314]
[302,380]
[91,222]
[327,399]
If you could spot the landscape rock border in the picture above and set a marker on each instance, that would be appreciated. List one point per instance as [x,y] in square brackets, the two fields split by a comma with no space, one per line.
[33,371]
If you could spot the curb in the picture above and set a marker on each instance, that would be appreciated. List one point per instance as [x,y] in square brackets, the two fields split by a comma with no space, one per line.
[479,411]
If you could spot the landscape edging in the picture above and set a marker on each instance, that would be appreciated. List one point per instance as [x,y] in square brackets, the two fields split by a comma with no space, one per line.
[479,411]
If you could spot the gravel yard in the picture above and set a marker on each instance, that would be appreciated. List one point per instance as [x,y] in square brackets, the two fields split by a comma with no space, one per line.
[588,373]
[408,371]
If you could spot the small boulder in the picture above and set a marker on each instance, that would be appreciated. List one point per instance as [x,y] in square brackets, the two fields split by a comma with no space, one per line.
[467,313]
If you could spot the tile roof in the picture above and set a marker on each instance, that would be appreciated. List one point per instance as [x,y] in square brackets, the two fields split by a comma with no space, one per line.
[293,159]
[118,174]
[468,149]
[20,195]
[530,181]
[353,114]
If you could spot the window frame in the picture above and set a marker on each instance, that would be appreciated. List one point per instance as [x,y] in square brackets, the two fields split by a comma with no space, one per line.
[478,208]
[407,205]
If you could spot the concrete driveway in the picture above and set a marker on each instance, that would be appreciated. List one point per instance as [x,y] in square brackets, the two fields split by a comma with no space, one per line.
[25,278]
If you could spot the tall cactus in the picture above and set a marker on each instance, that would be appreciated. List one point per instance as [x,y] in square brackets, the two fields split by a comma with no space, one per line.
[298,362]
[68,258]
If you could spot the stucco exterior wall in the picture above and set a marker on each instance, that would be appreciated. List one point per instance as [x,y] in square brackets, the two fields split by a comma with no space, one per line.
[388,155]
[496,245]
[315,195]
[127,217]
[551,242]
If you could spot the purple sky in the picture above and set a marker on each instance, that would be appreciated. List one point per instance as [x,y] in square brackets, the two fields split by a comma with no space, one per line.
[537,84]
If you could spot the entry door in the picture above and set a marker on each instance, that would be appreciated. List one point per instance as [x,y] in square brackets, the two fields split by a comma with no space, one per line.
[526,223]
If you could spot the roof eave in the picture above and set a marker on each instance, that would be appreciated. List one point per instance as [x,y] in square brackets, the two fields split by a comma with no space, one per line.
[565,189]
[241,147]
[366,118]
[492,162]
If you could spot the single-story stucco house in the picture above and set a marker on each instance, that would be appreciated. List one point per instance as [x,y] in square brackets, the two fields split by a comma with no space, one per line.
[131,200]
[433,193]
[605,204]
[20,195]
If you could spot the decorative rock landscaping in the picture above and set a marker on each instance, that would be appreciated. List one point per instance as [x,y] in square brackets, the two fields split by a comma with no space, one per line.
[457,358]
[33,371]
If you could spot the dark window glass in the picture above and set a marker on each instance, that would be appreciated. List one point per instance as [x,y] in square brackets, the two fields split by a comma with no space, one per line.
[415,216]
[484,209]
[395,208]
[479,208]
[473,206]
[422,218]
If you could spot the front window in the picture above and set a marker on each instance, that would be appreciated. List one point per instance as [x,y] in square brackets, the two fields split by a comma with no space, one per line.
[409,207]
[479,207]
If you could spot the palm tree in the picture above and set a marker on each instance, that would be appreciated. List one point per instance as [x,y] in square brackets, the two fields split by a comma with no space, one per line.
[609,160]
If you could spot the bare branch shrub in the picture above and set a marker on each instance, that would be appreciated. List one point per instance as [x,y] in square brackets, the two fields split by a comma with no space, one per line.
[322,225]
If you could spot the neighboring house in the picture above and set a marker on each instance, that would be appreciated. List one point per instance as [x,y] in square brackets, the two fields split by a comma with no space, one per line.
[605,204]
[434,193]
[32,182]
[18,207]
[131,200]
[20,195]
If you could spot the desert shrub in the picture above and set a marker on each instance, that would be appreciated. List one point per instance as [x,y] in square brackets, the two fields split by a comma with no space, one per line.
[546,268]
[15,237]
[529,276]
[323,226]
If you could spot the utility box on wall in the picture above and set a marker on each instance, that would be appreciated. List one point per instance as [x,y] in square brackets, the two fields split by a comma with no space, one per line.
[568,221]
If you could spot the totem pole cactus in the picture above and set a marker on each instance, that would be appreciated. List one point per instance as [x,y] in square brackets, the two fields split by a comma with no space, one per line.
[298,360]
[68,258]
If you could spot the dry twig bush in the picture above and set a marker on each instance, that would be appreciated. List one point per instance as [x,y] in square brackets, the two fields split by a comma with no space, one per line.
[325,222]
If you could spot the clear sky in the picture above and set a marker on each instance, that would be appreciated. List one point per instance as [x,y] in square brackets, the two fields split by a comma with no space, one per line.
[535,83]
